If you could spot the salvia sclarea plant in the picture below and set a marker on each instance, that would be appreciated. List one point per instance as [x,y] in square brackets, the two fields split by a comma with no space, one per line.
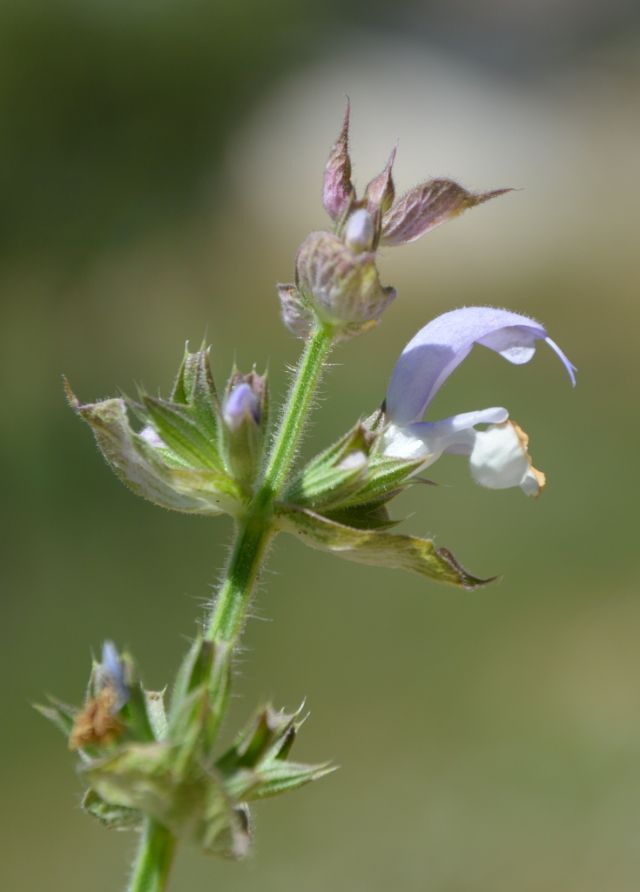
[152,763]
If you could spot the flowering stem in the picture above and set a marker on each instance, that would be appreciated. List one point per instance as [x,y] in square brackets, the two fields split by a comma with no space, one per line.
[253,534]
[251,543]
[256,529]
[296,410]
[151,869]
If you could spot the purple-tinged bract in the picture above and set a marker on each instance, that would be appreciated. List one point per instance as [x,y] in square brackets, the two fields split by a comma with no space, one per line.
[427,206]
[338,191]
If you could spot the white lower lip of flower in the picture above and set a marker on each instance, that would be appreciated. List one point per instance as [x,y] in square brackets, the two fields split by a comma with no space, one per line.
[499,459]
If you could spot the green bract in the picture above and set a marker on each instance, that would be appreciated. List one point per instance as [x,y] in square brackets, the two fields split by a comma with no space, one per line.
[189,456]
[371,546]
[337,503]
[176,458]
[163,764]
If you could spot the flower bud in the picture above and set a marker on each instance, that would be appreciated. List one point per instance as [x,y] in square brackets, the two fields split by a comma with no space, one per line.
[244,411]
[174,460]
[341,286]
[241,407]
[99,722]
[358,233]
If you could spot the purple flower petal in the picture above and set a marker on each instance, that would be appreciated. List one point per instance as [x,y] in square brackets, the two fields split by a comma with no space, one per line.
[438,348]
[569,366]
[447,430]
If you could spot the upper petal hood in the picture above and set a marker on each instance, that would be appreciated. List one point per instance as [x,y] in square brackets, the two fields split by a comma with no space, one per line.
[438,348]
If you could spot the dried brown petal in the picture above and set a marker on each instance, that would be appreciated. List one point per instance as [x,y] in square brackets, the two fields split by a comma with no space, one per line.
[97,723]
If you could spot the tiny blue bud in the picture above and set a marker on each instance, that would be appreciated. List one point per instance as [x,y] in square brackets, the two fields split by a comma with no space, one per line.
[241,405]
[245,410]
[112,674]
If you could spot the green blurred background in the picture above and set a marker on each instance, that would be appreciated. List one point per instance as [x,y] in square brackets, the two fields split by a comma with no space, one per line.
[159,164]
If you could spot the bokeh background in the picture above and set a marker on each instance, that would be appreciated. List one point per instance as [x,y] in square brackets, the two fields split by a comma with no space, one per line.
[159,164]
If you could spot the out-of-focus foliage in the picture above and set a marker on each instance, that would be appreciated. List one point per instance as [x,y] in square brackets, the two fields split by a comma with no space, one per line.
[114,114]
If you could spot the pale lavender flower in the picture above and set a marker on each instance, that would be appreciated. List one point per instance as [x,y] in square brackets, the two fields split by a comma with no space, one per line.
[498,455]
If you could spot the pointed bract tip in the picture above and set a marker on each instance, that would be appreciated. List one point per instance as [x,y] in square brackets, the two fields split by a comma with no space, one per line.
[346,120]
[390,161]
[426,206]
[476,198]
[464,579]
[70,396]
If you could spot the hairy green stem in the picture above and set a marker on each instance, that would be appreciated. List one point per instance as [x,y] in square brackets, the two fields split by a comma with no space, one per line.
[251,543]
[255,530]
[253,534]
[296,411]
[155,856]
